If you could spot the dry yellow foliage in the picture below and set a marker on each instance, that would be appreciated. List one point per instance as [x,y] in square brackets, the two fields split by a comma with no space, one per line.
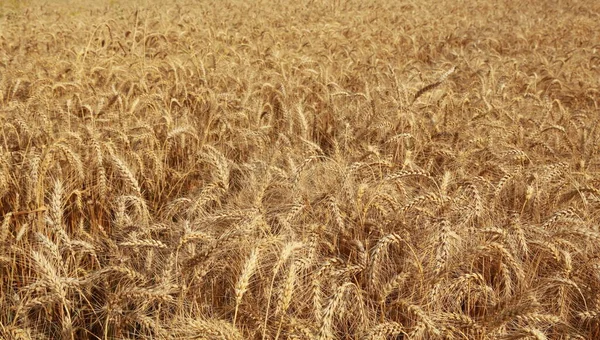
[307,169]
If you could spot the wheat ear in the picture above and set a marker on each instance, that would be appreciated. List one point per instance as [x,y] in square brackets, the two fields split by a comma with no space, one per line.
[242,284]
[432,86]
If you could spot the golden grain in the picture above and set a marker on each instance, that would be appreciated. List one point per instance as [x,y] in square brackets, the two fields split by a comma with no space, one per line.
[299,170]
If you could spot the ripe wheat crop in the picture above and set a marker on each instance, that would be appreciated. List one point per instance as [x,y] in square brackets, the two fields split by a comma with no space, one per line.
[308,169]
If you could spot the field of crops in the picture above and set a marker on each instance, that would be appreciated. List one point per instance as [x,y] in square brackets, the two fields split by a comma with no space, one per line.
[307,169]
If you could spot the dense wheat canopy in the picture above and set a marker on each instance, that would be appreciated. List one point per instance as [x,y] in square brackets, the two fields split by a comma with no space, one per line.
[300,169]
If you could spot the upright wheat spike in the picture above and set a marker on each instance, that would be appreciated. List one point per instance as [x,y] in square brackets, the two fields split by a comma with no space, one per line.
[335,305]
[56,204]
[4,229]
[379,251]
[127,175]
[285,254]
[285,297]
[443,247]
[242,284]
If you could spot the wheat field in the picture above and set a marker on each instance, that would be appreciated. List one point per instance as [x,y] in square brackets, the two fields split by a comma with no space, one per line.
[304,169]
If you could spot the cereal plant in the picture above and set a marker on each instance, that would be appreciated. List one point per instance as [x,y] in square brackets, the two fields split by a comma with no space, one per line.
[306,169]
